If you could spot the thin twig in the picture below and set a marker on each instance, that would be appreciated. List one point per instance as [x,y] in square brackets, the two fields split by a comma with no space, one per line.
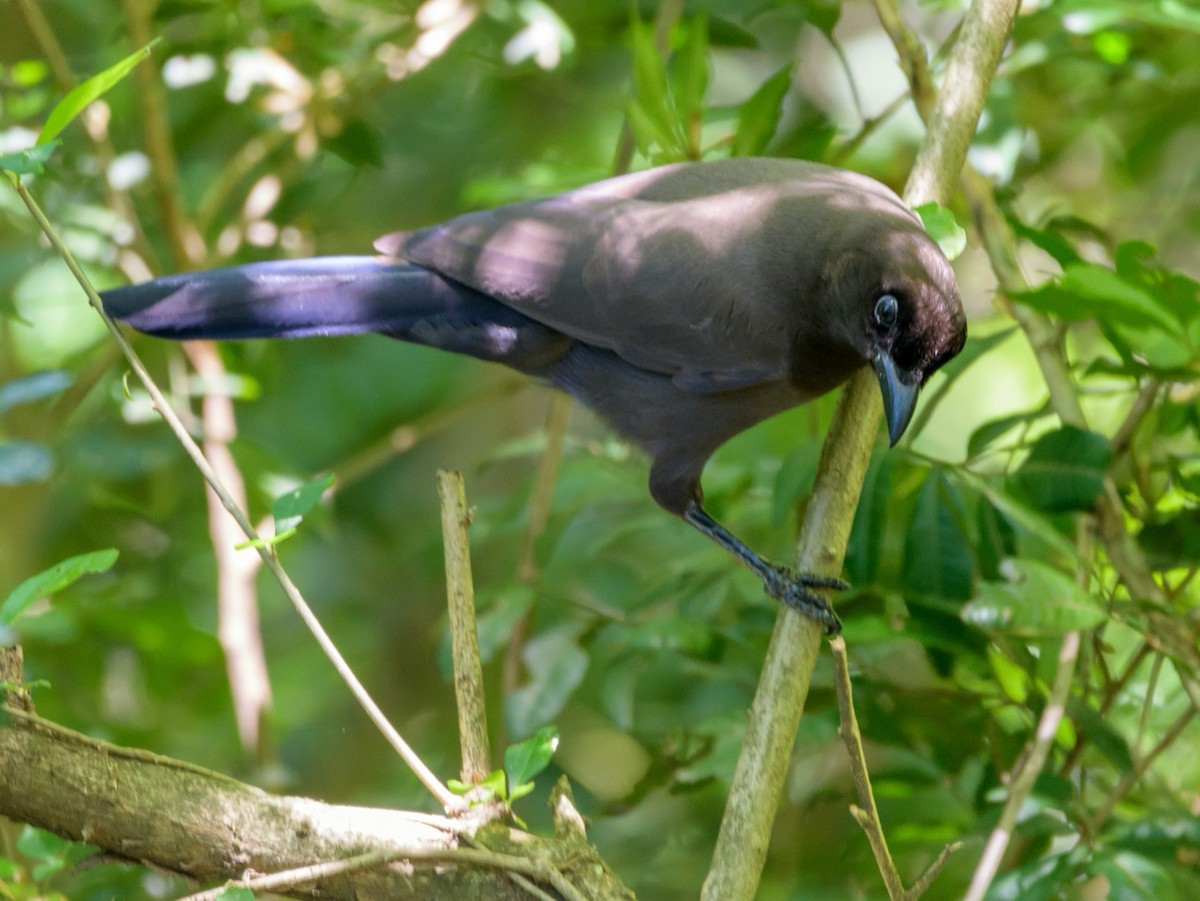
[1148,701]
[464,641]
[867,813]
[1141,765]
[470,856]
[267,553]
[290,879]
[1023,780]
[1142,404]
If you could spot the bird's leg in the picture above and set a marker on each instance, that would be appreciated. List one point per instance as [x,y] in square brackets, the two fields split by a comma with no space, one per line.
[792,588]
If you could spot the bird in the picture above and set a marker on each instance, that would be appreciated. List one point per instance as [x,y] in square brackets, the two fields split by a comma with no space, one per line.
[683,303]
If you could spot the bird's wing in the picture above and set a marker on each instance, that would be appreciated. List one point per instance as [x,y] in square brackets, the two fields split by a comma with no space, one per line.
[688,285]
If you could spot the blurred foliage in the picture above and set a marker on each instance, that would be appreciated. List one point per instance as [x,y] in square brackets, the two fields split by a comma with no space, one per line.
[312,126]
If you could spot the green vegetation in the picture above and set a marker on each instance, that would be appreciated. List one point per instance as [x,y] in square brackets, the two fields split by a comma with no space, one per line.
[1024,560]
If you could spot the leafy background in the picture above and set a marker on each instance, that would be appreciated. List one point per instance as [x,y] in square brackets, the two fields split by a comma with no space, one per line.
[312,127]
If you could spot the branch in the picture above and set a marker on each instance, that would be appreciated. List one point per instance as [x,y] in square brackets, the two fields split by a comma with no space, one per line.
[266,552]
[151,809]
[787,672]
[464,641]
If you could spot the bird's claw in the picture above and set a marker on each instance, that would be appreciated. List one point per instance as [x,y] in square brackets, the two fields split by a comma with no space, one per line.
[799,591]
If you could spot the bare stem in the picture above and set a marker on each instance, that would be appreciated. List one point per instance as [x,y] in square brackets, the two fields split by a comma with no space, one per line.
[464,641]
[1022,782]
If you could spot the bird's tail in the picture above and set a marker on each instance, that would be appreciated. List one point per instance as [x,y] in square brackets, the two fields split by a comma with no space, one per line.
[334,296]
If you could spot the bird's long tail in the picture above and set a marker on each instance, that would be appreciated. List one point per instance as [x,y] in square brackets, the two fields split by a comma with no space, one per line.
[335,296]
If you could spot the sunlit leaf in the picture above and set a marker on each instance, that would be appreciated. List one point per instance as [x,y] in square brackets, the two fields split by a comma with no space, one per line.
[235,893]
[290,509]
[759,116]
[689,68]
[1012,678]
[84,93]
[524,760]
[941,225]
[1088,291]
[650,109]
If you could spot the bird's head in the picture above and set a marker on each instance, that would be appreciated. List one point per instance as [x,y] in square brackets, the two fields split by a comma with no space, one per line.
[906,318]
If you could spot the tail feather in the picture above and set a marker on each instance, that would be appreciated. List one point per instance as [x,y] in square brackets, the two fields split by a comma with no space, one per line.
[328,296]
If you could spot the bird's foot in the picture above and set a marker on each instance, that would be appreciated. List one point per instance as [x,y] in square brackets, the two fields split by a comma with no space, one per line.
[798,591]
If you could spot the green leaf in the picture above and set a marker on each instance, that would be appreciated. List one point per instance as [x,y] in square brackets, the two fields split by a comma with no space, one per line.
[235,893]
[1132,877]
[291,508]
[823,14]
[1101,735]
[867,534]
[1038,602]
[1048,239]
[1065,470]
[941,225]
[526,759]
[1017,513]
[1086,291]
[33,387]
[28,162]
[937,556]
[759,116]
[492,786]
[39,844]
[1173,542]
[358,144]
[1012,678]
[795,479]
[994,429]
[54,579]
[649,111]
[84,93]
[689,68]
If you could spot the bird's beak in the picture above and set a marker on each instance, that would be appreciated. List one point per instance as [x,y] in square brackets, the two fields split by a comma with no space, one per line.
[899,397]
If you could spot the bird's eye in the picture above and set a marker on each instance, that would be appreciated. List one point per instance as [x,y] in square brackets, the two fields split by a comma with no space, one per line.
[887,308]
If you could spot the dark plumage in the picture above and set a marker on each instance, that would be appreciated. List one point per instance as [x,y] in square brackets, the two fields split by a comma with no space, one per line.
[683,304]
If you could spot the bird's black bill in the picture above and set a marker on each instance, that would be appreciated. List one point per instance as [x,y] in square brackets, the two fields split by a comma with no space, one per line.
[797,590]
[899,397]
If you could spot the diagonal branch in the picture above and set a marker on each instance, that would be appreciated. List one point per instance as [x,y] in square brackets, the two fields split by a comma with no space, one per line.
[787,671]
